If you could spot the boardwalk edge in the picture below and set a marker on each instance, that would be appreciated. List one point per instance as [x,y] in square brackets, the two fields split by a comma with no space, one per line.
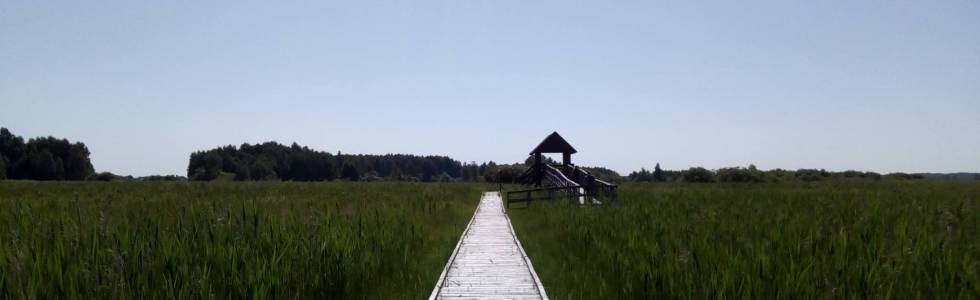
[527,260]
[445,270]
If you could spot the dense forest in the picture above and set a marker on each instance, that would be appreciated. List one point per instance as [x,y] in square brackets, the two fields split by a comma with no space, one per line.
[43,158]
[274,161]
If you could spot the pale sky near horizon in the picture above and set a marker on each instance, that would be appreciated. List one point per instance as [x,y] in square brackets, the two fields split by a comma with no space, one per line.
[883,86]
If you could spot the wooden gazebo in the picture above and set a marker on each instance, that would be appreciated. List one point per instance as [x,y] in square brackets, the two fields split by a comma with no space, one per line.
[554,143]
[547,181]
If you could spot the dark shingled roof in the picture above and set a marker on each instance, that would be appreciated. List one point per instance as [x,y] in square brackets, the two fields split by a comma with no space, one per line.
[554,143]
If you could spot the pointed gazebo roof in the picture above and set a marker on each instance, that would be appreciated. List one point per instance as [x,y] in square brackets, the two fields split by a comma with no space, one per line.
[554,143]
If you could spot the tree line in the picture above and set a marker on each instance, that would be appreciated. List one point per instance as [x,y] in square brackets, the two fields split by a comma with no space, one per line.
[274,161]
[43,158]
[50,158]
[753,174]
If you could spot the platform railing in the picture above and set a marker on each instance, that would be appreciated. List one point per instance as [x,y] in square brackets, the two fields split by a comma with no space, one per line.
[563,181]
[570,193]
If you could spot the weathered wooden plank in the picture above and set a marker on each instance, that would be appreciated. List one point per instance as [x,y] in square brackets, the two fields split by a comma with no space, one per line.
[489,262]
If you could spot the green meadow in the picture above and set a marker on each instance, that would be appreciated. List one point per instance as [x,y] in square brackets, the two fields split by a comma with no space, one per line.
[63,240]
[836,239]
[833,239]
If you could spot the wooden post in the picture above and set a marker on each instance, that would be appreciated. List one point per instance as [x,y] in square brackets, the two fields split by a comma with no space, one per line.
[566,158]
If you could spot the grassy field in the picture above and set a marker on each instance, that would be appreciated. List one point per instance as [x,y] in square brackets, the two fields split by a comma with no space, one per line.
[228,240]
[910,240]
[888,239]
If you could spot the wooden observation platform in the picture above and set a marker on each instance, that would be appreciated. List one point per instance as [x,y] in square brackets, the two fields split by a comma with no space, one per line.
[565,180]
[489,262]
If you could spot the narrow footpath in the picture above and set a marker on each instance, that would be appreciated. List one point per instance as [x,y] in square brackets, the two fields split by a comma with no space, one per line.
[489,262]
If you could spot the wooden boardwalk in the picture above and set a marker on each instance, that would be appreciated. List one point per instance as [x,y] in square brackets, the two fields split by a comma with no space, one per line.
[489,262]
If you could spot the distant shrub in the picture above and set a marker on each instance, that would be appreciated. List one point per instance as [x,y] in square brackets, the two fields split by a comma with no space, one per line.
[737,174]
[809,175]
[103,176]
[163,178]
[904,176]
[778,175]
[108,176]
[698,174]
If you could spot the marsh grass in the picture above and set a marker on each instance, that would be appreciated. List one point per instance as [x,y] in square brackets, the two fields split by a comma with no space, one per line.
[909,240]
[227,240]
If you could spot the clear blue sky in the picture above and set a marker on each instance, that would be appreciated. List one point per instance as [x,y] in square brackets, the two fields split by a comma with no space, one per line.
[870,85]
